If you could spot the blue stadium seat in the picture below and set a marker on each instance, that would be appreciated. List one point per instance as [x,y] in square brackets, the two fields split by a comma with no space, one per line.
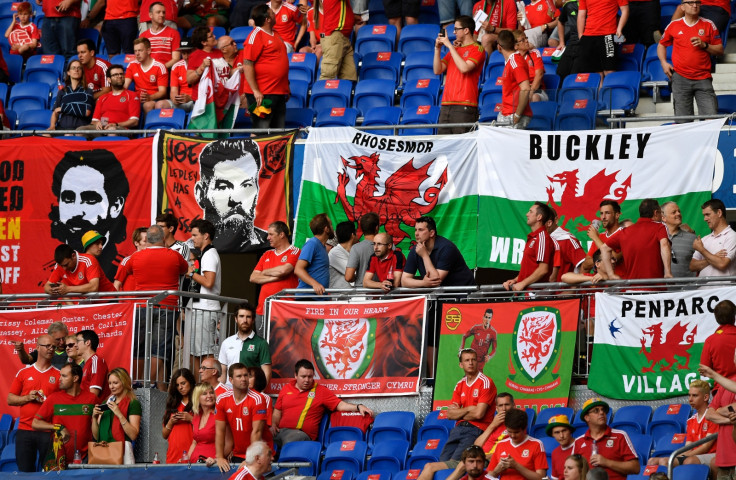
[75,138]
[240,34]
[29,96]
[665,445]
[341,434]
[543,418]
[494,67]
[12,118]
[34,120]
[376,38]
[631,57]
[433,418]
[544,114]
[44,68]
[420,116]
[443,474]
[302,66]
[531,415]
[389,456]
[381,116]
[91,33]
[669,419]
[336,475]
[336,117]
[373,94]
[421,92]
[330,94]
[551,83]
[429,12]
[491,86]
[691,472]
[428,432]
[15,67]
[374,475]
[425,452]
[381,66]
[726,104]
[632,418]
[549,444]
[418,66]
[652,73]
[299,117]
[7,459]
[165,119]
[218,31]
[490,107]
[392,426]
[642,444]
[348,456]
[6,423]
[577,115]
[620,91]
[4,93]
[323,425]
[409,474]
[123,59]
[667,8]
[302,452]
[417,38]
[111,138]
[377,13]
[581,86]
[299,92]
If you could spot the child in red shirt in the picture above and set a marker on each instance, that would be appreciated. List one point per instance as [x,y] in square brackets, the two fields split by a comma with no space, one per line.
[22,34]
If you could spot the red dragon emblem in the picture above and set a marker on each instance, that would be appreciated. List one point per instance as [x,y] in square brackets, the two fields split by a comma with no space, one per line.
[344,342]
[538,336]
[667,346]
[402,200]
[573,205]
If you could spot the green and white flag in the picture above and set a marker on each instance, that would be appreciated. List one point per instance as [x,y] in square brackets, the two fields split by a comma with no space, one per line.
[648,346]
[574,171]
[348,173]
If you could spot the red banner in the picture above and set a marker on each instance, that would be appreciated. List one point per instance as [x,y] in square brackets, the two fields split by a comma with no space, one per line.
[240,185]
[113,323]
[53,191]
[357,348]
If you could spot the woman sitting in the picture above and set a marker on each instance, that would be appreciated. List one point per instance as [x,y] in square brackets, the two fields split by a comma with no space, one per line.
[75,102]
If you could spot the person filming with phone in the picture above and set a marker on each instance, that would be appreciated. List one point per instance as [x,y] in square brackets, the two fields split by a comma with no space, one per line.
[119,418]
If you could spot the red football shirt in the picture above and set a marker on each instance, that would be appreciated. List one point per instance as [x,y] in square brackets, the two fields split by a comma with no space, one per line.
[601,16]
[536,64]
[291,403]
[515,72]
[268,54]
[118,108]
[338,15]
[97,75]
[272,259]
[724,4]
[195,60]
[559,455]
[718,350]
[528,453]
[157,268]
[87,269]
[568,252]
[163,43]
[640,245]
[240,416]
[22,35]
[539,13]
[94,374]
[462,88]
[148,79]
[480,390]
[620,268]
[385,269]
[288,17]
[128,281]
[31,378]
[501,13]
[691,62]
[178,78]
[614,444]
[49,9]
[538,249]
[725,446]
[698,428]
[120,9]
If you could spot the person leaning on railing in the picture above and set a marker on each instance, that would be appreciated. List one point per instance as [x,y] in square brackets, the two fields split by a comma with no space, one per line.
[119,419]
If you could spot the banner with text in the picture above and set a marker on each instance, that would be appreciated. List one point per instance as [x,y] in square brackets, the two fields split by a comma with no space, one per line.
[574,171]
[113,323]
[648,347]
[348,173]
[526,348]
[357,348]
[53,191]
[241,185]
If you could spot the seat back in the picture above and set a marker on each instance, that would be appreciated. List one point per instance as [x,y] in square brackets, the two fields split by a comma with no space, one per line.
[642,444]
[418,66]
[165,119]
[581,86]
[631,56]
[381,116]
[632,418]
[299,91]
[330,94]
[543,418]
[240,34]
[303,66]
[29,96]
[417,38]
[543,116]
[373,94]
[299,117]
[376,38]
[620,91]
[302,452]
[336,117]
[381,66]
[389,455]
[577,115]
[34,120]
[347,455]
[374,475]
[392,426]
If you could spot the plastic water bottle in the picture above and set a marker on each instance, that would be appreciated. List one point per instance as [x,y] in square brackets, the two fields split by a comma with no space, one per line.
[156,461]
[594,448]
[184,457]
[59,85]
[77,457]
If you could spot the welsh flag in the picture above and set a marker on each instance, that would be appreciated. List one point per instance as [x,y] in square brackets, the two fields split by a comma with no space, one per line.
[348,173]
[574,171]
[217,102]
[648,347]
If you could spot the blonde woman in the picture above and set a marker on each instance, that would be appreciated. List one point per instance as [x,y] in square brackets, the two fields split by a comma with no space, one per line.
[203,425]
[118,419]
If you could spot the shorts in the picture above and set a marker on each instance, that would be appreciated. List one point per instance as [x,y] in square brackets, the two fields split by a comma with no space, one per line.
[705,458]
[201,330]
[187,107]
[401,8]
[507,121]
[457,114]
[452,463]
[162,332]
[595,54]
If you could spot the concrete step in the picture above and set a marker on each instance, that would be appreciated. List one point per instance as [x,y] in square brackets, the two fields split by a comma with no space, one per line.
[726,68]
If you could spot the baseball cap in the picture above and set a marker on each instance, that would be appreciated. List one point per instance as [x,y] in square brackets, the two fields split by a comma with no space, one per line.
[186,44]
[557,421]
[91,237]
[591,403]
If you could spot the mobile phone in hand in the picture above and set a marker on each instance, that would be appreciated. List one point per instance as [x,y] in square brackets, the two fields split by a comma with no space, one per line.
[730,409]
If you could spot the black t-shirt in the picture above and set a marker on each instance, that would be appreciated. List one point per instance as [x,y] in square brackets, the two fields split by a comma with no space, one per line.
[569,18]
[59,360]
[444,256]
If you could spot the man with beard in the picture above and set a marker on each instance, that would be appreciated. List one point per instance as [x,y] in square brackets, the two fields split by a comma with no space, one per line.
[228,192]
[91,189]
[245,346]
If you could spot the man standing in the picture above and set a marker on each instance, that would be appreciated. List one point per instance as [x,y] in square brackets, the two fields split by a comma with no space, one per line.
[210,372]
[603,446]
[150,77]
[559,427]
[360,254]
[682,240]
[518,455]
[68,413]
[438,260]
[721,412]
[301,405]
[569,254]
[94,378]
[119,109]
[243,412]
[287,17]
[245,346]
[275,269]
[644,245]
[266,69]
[121,25]
[719,347]
[536,262]
[340,253]
[335,23]
[257,463]
[463,65]
[169,223]
[164,39]
[313,266]
[58,332]
[123,281]
[156,268]
[386,264]
[76,273]
[610,212]
[714,254]
[201,327]
[515,88]
[484,339]
[596,27]
[30,388]
[694,41]
[95,69]
[60,25]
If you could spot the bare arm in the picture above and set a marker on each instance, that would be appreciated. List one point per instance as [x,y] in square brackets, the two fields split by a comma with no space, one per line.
[344,406]
[175,57]
[275,420]
[665,252]
[249,69]
[606,260]
[18,400]
[524,92]
[271,274]
[721,262]
[222,462]
[257,433]
[628,467]
[619,31]
[161,93]
[437,66]
[539,273]
[582,15]
[267,371]
[301,272]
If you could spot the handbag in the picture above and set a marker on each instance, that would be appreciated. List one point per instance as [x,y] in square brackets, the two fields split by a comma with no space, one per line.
[105,453]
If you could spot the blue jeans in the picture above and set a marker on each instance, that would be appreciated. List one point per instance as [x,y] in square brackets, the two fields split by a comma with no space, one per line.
[447,9]
[59,36]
